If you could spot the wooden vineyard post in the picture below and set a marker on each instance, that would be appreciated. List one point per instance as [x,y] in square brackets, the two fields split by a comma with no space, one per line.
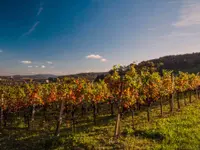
[190,96]
[148,110]
[117,125]
[172,98]
[59,122]
[32,116]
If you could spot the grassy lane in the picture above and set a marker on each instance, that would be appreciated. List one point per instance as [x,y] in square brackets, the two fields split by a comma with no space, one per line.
[178,131]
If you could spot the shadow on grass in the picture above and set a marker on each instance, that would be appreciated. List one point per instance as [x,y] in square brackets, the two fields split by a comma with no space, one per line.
[84,125]
[149,135]
[21,139]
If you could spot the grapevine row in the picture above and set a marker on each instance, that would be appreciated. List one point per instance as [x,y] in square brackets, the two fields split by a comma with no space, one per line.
[126,90]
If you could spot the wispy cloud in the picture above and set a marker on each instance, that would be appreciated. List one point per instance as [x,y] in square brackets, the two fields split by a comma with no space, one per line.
[173,1]
[26,62]
[49,62]
[182,34]
[151,29]
[30,66]
[1,51]
[40,9]
[36,66]
[189,14]
[31,29]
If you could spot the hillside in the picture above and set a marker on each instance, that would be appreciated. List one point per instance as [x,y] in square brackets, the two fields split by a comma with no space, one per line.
[186,62]
[90,76]
[177,131]
[36,76]
[82,115]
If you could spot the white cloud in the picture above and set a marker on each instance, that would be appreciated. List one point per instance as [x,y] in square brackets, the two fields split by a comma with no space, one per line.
[103,60]
[1,51]
[43,66]
[30,66]
[189,14]
[92,56]
[31,29]
[26,62]
[49,62]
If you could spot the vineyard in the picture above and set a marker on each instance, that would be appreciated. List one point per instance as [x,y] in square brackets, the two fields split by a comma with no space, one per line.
[64,106]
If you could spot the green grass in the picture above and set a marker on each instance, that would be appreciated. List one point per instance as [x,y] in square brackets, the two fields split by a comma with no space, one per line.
[178,131]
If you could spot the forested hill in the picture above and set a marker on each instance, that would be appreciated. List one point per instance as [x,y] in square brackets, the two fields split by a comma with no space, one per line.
[90,76]
[186,62]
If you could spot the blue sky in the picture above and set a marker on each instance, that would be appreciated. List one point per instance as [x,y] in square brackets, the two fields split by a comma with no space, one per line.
[73,36]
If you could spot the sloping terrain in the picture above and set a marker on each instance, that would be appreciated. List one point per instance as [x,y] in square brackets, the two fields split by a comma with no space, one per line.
[186,62]
[173,131]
